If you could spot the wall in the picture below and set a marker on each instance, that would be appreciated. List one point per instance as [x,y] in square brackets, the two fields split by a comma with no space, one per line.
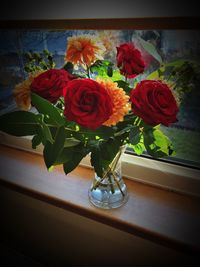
[63,9]
[56,237]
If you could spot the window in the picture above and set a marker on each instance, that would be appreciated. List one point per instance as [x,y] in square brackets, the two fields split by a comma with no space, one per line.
[170,54]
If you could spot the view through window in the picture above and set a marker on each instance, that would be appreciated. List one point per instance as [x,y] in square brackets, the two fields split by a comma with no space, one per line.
[170,55]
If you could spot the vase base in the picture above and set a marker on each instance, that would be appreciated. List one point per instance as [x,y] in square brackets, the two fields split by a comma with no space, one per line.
[107,205]
[105,199]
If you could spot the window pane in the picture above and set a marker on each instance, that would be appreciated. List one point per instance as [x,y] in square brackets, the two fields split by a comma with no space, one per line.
[171,46]
[185,134]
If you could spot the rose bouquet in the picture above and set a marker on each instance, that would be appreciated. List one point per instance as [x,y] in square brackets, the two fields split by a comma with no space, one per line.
[92,106]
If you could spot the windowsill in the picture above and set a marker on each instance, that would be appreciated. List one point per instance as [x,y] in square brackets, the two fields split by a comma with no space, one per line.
[164,175]
[164,217]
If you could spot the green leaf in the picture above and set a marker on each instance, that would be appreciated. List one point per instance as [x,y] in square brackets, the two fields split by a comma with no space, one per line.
[102,132]
[48,154]
[110,71]
[69,67]
[157,144]
[103,154]
[22,123]
[110,148]
[176,63]
[125,86]
[102,68]
[72,156]
[139,148]
[46,52]
[124,130]
[36,141]
[28,56]
[52,151]
[156,74]
[96,160]
[69,142]
[37,57]
[72,164]
[44,131]
[151,49]
[116,75]
[19,123]
[134,135]
[49,110]
[129,121]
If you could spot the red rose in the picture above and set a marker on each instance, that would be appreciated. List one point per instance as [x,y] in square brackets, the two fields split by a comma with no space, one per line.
[154,102]
[129,60]
[87,103]
[50,84]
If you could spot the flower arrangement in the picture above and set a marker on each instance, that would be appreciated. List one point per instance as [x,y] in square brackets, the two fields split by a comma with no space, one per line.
[92,106]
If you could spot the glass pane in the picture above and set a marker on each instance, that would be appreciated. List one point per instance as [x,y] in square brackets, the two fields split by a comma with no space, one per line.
[171,46]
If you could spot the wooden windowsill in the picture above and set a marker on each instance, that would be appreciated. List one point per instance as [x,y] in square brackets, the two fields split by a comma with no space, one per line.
[164,217]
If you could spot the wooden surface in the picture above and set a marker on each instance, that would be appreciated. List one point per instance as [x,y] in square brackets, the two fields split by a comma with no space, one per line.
[114,23]
[161,216]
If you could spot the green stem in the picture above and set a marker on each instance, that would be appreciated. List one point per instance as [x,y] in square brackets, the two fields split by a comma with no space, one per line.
[88,71]
[138,122]
[109,170]
[111,184]
[97,183]
[115,178]
[115,161]
[62,101]
[57,126]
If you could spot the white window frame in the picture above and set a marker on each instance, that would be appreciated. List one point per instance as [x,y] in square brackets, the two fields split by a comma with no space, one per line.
[146,170]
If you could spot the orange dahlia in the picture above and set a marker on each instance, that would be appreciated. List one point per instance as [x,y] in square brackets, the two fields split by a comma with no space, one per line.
[84,50]
[120,100]
[22,92]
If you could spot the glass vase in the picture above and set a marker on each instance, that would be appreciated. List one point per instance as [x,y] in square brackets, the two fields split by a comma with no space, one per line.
[109,191]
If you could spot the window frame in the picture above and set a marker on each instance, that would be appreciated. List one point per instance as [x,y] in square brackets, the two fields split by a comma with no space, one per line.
[157,173]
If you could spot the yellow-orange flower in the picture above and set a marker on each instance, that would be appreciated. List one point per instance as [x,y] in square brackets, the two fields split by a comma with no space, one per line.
[120,100]
[22,92]
[84,50]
